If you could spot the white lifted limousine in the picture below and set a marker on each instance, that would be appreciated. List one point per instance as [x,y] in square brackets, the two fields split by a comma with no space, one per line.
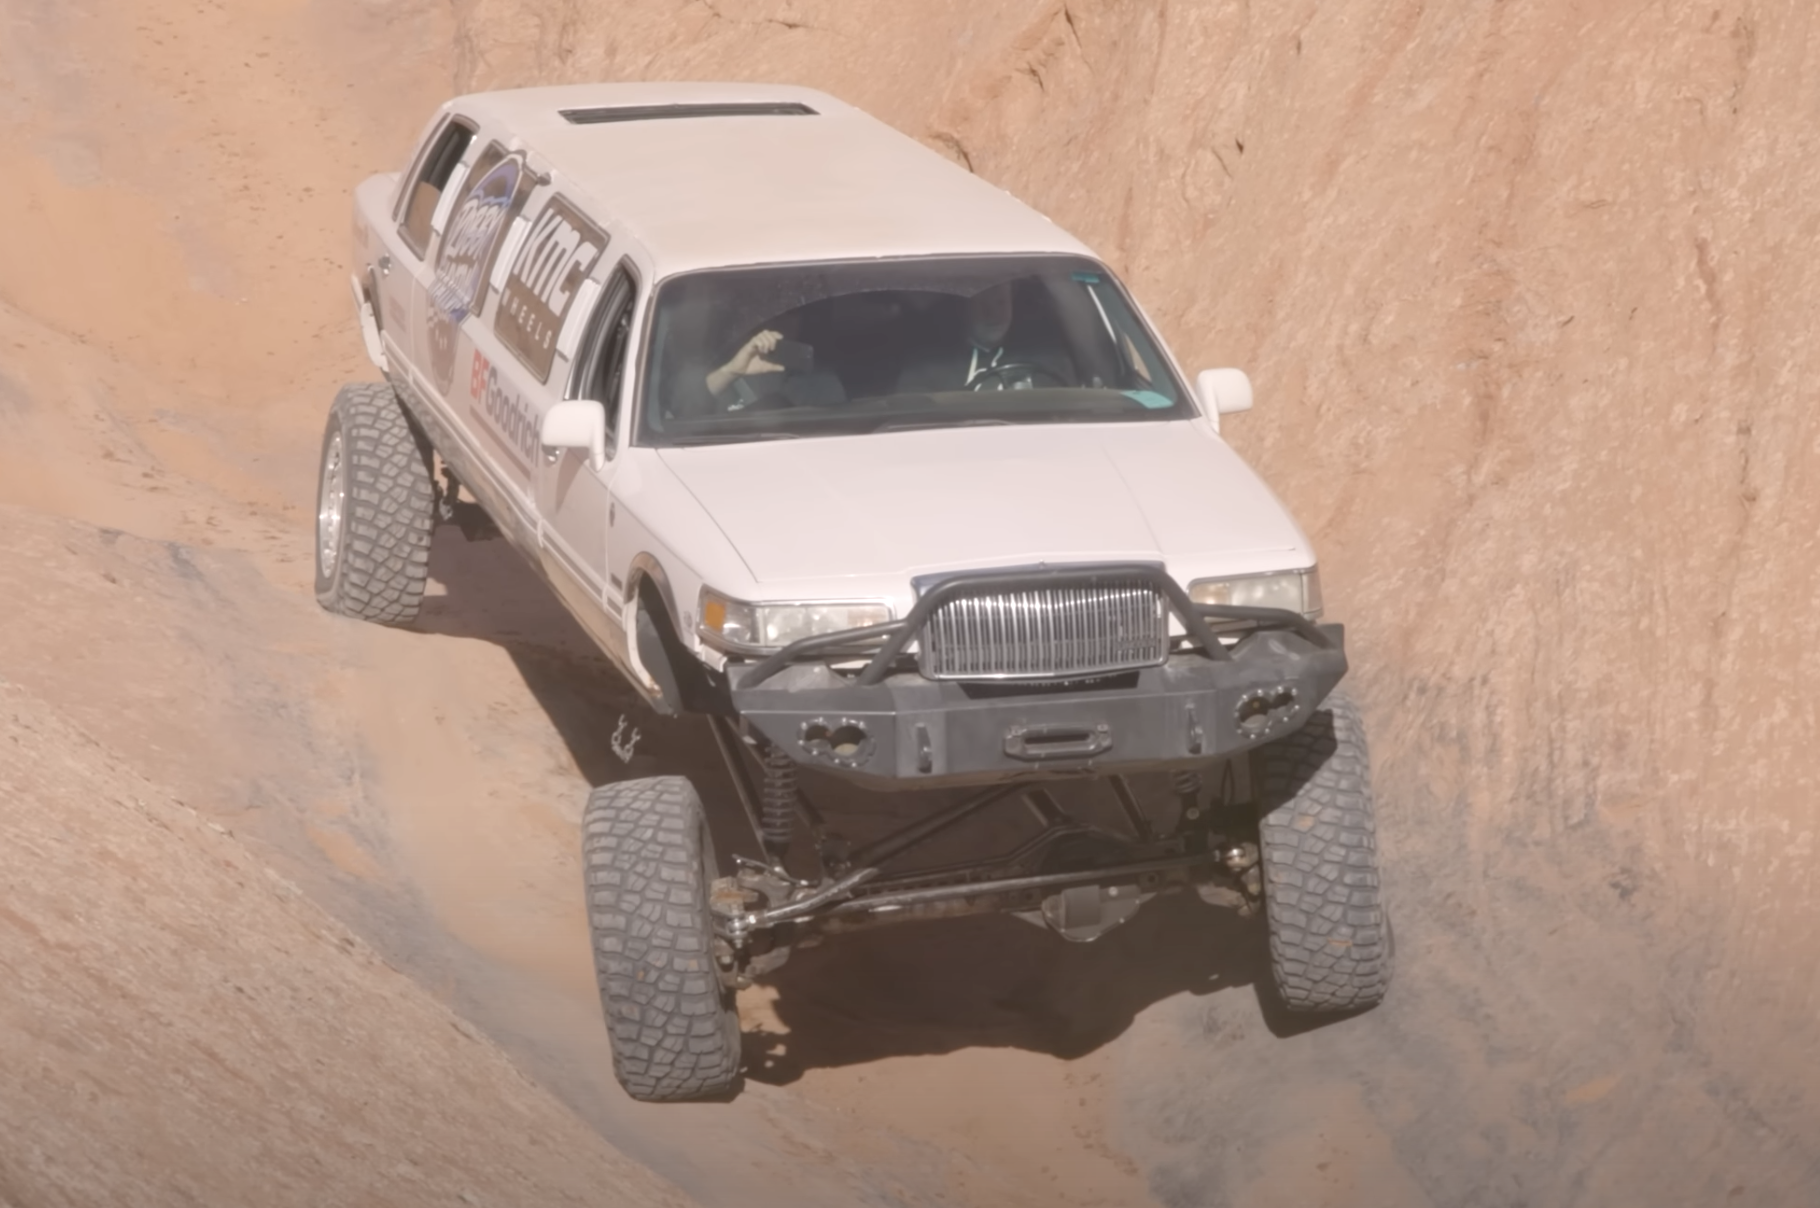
[887,478]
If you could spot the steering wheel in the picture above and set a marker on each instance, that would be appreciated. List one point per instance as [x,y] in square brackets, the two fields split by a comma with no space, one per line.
[747,397]
[1002,374]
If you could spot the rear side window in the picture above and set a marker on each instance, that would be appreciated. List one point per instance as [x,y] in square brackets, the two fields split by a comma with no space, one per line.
[432,178]
[600,363]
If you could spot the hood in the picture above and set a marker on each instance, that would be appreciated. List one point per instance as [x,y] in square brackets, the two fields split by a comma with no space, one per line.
[900,504]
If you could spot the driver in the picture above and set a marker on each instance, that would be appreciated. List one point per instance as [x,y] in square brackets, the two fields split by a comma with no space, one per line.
[982,360]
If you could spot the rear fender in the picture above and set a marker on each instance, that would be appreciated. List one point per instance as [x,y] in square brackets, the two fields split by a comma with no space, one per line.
[369,324]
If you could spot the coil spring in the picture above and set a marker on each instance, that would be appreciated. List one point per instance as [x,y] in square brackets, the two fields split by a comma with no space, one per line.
[1187,786]
[777,801]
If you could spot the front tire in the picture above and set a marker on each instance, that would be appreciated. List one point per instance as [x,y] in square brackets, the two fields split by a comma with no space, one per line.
[1330,946]
[649,862]
[375,509]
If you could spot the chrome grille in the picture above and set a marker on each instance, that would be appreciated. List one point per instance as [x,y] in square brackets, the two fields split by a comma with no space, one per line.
[1047,633]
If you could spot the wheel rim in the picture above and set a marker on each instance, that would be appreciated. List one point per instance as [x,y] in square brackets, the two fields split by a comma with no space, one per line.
[329,504]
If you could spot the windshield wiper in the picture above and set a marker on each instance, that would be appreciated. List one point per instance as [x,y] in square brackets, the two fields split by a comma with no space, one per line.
[945,423]
[728,438]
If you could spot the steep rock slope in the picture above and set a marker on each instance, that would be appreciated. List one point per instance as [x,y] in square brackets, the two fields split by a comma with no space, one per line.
[201,1034]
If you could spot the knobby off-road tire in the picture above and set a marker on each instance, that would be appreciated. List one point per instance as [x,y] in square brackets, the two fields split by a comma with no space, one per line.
[375,509]
[1330,947]
[649,862]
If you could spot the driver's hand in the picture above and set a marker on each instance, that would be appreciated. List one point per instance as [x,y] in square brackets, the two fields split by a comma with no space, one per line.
[750,357]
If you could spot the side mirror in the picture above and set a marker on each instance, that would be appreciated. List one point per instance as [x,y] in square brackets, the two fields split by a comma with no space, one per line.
[1222,392]
[577,424]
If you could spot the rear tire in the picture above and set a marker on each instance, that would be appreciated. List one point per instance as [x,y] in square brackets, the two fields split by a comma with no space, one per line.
[1330,947]
[649,862]
[375,509]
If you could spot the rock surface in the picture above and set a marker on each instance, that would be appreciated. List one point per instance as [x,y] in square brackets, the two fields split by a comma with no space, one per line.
[182,1026]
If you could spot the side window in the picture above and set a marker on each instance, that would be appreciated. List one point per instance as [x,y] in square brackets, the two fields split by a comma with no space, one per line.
[600,363]
[432,178]
[559,251]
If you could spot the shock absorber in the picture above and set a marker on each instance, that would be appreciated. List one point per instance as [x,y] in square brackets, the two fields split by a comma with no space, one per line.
[777,801]
[1187,785]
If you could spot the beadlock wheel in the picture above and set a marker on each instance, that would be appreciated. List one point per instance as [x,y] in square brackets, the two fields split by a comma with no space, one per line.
[375,508]
[330,502]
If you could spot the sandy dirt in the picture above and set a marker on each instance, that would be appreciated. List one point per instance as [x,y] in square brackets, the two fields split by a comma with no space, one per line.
[1524,291]
[182,1026]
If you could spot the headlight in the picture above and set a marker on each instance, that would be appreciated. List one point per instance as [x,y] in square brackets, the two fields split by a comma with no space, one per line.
[755,628]
[1296,590]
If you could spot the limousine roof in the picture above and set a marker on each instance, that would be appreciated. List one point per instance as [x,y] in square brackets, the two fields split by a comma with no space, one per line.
[710,175]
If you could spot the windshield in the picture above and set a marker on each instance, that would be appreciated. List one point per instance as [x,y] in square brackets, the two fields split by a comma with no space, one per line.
[799,350]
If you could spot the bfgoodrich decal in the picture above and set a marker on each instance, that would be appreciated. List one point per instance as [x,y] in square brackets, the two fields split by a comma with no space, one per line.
[557,255]
[504,410]
[466,255]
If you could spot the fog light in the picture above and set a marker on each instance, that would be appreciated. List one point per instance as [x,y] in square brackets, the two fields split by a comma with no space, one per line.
[846,742]
[1263,711]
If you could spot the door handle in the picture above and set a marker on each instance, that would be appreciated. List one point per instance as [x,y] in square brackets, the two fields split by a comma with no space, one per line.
[385,265]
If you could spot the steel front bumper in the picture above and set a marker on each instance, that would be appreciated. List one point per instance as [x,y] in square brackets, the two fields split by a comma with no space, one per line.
[909,731]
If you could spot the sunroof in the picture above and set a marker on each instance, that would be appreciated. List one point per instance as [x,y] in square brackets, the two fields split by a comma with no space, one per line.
[646,113]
